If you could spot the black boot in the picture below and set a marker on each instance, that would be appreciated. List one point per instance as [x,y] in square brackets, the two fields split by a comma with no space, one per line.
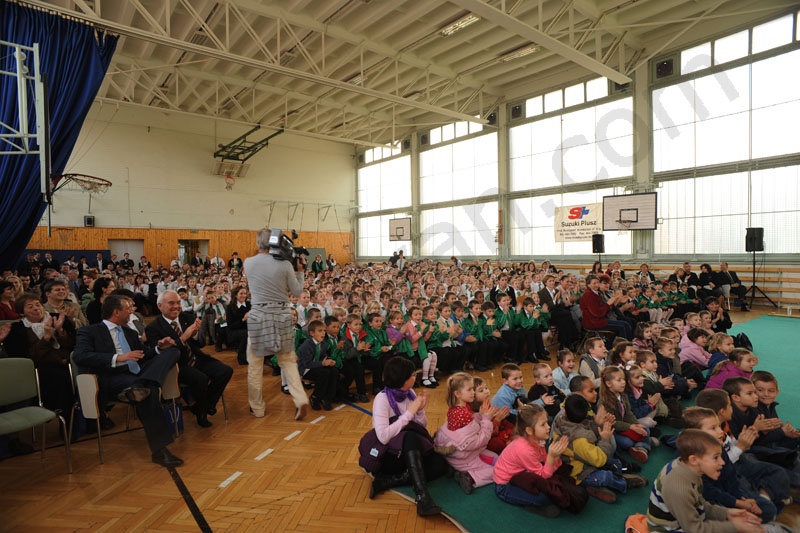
[425,504]
[383,482]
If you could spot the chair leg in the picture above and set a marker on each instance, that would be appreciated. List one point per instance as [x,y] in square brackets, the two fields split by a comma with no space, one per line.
[100,441]
[71,424]
[44,439]
[224,407]
[175,417]
[67,435]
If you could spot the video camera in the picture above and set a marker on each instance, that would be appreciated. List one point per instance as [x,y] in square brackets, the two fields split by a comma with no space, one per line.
[282,247]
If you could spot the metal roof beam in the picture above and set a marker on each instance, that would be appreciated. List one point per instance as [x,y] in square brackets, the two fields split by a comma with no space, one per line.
[246,61]
[514,25]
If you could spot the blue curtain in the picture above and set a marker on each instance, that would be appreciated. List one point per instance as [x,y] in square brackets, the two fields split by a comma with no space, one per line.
[74,58]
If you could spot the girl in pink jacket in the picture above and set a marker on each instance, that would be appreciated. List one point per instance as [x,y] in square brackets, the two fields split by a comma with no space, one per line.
[740,363]
[469,433]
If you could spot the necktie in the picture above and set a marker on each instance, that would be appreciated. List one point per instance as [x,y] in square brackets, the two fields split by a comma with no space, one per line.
[177,329]
[133,366]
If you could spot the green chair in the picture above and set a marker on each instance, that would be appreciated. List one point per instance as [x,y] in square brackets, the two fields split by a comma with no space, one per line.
[19,382]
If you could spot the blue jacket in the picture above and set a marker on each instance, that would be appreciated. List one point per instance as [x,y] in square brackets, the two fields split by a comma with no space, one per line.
[506,396]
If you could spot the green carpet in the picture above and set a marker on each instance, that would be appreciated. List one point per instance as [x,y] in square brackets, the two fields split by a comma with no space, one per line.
[772,337]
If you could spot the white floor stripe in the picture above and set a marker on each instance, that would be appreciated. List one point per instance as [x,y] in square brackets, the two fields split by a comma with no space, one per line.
[319,418]
[264,454]
[230,479]
[340,407]
[292,435]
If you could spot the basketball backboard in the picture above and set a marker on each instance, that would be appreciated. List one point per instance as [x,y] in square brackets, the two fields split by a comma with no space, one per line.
[630,211]
[400,229]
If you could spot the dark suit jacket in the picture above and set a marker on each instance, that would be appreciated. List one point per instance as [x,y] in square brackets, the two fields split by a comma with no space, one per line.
[160,328]
[127,264]
[512,294]
[545,298]
[94,349]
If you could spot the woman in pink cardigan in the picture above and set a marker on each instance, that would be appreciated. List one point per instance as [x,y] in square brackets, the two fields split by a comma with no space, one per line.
[399,420]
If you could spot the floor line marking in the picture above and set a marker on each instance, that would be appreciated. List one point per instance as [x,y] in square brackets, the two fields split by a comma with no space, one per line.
[230,479]
[264,454]
[292,435]
[318,419]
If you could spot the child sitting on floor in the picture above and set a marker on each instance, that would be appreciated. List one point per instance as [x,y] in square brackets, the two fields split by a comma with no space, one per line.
[503,430]
[565,370]
[629,434]
[766,479]
[720,346]
[591,451]
[469,433]
[594,360]
[646,407]
[740,363]
[544,392]
[676,500]
[511,393]
[526,459]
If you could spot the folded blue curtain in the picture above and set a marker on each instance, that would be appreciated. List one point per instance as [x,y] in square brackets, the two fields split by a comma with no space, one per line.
[74,58]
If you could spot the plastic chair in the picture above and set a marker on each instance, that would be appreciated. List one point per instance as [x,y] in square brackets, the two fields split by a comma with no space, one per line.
[171,391]
[87,393]
[19,382]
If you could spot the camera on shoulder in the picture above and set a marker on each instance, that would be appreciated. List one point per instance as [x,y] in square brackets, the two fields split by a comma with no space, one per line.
[282,247]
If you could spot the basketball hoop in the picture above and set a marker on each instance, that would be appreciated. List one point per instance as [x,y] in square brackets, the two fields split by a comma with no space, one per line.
[624,225]
[81,182]
[230,181]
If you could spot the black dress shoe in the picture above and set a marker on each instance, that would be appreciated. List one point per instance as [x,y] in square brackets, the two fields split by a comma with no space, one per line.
[133,394]
[212,411]
[315,403]
[326,404]
[363,398]
[164,457]
[203,421]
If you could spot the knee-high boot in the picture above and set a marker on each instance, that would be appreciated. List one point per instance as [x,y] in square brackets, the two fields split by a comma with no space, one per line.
[384,482]
[425,504]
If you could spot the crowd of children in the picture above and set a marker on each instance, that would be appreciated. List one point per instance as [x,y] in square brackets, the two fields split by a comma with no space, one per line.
[736,461]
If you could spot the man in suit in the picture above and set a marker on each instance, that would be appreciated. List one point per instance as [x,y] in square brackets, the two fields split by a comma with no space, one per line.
[100,263]
[205,376]
[127,262]
[561,316]
[197,261]
[730,283]
[114,352]
[503,288]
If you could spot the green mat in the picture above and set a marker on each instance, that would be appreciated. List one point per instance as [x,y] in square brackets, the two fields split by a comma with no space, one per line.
[774,339]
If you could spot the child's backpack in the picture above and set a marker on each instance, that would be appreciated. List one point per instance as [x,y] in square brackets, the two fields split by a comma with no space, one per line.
[743,341]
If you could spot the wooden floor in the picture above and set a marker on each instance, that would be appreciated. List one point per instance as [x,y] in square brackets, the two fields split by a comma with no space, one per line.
[244,475]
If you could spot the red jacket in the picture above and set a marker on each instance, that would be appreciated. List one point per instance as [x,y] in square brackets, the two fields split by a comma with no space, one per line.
[593,311]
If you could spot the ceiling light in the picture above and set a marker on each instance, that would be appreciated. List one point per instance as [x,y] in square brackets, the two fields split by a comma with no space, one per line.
[358,79]
[459,24]
[519,52]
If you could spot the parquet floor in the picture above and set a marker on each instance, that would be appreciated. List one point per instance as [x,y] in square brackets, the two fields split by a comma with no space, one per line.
[310,482]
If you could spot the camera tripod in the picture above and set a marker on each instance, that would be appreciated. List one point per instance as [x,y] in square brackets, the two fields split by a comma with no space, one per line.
[753,288]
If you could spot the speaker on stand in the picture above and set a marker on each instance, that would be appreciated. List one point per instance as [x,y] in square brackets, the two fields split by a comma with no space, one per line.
[754,242]
[599,245]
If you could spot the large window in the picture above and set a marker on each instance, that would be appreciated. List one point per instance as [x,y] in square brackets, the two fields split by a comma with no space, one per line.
[373,237]
[465,169]
[746,112]
[467,230]
[709,215]
[385,185]
[532,219]
[590,144]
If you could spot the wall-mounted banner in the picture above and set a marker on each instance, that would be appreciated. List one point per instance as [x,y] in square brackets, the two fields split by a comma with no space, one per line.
[578,222]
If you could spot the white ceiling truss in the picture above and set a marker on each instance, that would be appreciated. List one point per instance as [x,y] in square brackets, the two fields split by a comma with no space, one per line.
[368,72]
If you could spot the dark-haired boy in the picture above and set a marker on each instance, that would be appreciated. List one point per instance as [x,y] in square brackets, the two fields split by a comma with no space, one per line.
[314,364]
[380,350]
[676,501]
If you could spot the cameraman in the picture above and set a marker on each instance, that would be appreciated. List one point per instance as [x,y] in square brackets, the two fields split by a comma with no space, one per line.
[270,328]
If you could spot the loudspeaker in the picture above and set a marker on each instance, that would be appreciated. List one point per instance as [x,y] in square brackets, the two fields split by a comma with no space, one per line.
[754,240]
[598,243]
[88,221]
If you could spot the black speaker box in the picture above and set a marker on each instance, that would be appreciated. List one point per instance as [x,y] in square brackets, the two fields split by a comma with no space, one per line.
[88,221]
[598,243]
[754,240]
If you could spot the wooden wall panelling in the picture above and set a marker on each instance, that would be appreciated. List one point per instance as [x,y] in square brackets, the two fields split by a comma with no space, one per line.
[161,244]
